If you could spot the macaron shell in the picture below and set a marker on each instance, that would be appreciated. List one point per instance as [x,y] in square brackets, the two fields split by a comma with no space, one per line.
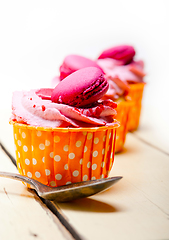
[122,52]
[81,88]
[73,63]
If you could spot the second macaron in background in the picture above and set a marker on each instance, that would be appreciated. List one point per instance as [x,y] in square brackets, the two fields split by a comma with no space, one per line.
[125,76]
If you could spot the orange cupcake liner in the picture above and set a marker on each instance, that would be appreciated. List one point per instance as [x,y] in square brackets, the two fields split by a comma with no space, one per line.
[135,94]
[123,109]
[61,156]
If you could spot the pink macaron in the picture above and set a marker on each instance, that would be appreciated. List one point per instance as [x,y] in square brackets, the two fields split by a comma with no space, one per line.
[81,88]
[123,53]
[73,63]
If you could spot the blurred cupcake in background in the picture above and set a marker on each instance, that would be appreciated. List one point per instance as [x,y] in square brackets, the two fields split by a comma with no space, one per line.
[118,63]
[117,89]
[72,63]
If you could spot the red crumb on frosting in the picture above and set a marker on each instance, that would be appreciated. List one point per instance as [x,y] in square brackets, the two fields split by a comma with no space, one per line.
[43,108]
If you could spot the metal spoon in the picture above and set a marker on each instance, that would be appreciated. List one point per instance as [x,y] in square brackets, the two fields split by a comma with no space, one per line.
[67,192]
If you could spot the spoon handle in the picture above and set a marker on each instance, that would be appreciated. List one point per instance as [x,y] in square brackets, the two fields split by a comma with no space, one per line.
[18,177]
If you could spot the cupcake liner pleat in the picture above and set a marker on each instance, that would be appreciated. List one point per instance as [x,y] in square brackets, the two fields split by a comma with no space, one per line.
[87,155]
[123,109]
[136,95]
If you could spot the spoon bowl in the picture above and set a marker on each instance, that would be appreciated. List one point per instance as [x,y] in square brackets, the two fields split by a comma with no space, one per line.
[67,192]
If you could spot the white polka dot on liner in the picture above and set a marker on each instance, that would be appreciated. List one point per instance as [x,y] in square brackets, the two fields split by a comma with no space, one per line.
[58,176]
[34,161]
[29,174]
[103,151]
[27,161]
[23,135]
[51,154]
[94,166]
[104,138]
[81,161]
[66,166]
[39,133]
[71,155]
[68,183]
[19,143]
[47,172]
[25,148]
[78,143]
[52,183]
[47,143]
[88,164]
[76,173]
[57,158]
[37,174]
[96,140]
[15,136]
[43,159]
[32,147]
[85,177]
[66,148]
[95,153]
[19,155]
[41,146]
[102,176]
[89,136]
[56,139]
[93,178]
[85,149]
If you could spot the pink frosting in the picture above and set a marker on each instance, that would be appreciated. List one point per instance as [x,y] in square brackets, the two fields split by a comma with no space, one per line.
[36,108]
[119,76]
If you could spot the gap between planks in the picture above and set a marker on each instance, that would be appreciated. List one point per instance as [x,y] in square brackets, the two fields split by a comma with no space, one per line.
[49,204]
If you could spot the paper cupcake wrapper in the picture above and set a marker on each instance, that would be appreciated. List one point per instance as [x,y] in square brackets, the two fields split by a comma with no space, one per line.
[135,94]
[60,156]
[123,109]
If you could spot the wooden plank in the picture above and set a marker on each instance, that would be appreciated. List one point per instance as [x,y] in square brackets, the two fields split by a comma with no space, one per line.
[22,214]
[135,208]
[153,127]
[17,192]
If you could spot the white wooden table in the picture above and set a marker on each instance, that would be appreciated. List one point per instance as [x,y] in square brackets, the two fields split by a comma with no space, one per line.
[137,207]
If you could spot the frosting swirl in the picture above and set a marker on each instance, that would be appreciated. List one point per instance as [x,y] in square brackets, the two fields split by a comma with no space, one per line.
[35,108]
[120,76]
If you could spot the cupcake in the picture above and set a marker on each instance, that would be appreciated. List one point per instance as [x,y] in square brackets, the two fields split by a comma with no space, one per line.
[119,62]
[65,134]
[117,91]
[72,63]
